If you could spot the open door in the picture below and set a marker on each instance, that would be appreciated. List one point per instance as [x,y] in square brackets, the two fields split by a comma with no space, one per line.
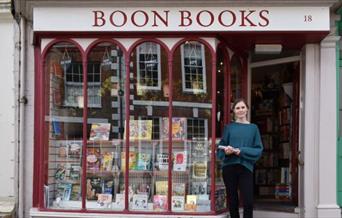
[275,109]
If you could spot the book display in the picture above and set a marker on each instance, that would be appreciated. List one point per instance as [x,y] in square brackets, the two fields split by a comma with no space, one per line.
[273,171]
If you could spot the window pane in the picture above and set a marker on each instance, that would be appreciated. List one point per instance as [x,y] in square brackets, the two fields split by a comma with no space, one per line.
[63,125]
[106,145]
[148,149]
[191,132]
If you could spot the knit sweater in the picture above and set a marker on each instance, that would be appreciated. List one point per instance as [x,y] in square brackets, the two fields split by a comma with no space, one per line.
[247,138]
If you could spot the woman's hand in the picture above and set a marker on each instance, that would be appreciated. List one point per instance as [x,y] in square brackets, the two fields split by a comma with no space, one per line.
[229,150]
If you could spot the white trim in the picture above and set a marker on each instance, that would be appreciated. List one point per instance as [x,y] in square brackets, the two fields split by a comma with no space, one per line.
[144,87]
[174,103]
[204,90]
[66,119]
[275,61]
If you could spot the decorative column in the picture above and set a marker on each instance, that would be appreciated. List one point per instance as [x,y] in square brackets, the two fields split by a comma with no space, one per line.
[327,148]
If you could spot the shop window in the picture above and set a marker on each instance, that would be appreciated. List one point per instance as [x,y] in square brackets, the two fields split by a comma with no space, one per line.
[73,84]
[236,78]
[148,66]
[193,68]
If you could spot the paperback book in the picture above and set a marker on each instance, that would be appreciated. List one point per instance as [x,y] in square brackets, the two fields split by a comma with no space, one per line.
[99,131]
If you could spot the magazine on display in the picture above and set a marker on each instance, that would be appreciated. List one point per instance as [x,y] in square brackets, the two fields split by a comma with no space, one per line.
[160,202]
[140,129]
[140,201]
[178,128]
[163,161]
[180,161]
[177,203]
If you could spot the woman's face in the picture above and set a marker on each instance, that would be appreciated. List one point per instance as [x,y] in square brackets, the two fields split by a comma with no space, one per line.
[240,110]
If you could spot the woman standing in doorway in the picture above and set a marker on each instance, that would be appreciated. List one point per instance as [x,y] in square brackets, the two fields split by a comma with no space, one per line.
[240,147]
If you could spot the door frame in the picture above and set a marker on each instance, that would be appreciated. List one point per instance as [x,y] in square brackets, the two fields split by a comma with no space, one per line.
[295,132]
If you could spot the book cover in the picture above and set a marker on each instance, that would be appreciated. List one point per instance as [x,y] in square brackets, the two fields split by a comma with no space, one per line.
[104,200]
[56,128]
[144,161]
[199,188]
[191,201]
[63,191]
[199,170]
[93,159]
[160,202]
[199,148]
[108,187]
[75,192]
[180,161]
[94,187]
[178,128]
[140,129]
[99,131]
[161,187]
[62,149]
[119,201]
[75,170]
[132,160]
[178,189]
[140,202]
[163,161]
[177,203]
[74,149]
[203,205]
[60,172]
[220,198]
[107,162]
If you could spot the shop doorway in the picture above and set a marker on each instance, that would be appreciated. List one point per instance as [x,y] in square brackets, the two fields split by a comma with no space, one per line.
[275,109]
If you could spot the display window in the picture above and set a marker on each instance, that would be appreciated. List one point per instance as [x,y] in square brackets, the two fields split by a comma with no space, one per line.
[132,130]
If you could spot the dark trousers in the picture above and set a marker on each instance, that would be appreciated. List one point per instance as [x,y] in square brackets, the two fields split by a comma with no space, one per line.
[239,177]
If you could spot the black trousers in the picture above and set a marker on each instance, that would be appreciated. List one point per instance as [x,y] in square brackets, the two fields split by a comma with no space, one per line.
[237,177]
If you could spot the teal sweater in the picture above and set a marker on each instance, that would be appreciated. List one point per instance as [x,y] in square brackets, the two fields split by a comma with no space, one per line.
[244,136]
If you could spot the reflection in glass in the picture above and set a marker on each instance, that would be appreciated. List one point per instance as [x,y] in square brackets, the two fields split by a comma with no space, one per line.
[63,120]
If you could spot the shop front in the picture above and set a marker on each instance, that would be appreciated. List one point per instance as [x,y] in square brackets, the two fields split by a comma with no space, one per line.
[130,103]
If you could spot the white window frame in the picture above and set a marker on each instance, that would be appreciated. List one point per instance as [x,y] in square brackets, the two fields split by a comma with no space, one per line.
[195,91]
[79,85]
[144,87]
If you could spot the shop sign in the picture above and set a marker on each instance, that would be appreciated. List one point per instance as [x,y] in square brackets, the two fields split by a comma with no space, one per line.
[209,19]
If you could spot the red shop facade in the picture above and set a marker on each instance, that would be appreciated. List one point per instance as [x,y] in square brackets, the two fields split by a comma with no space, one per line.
[131,102]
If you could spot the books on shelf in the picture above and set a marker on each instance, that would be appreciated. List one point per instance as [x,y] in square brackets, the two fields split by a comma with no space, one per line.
[140,201]
[199,169]
[160,202]
[180,161]
[178,128]
[104,200]
[144,161]
[162,161]
[178,189]
[132,160]
[140,129]
[99,131]
[177,203]
[161,187]
[199,188]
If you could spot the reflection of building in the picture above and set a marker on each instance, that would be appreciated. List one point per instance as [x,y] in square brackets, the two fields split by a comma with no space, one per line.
[165,86]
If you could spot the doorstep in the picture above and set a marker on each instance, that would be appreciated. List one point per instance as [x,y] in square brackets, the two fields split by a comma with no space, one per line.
[7,207]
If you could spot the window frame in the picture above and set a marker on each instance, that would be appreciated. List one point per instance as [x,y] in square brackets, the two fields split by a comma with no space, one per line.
[145,87]
[190,90]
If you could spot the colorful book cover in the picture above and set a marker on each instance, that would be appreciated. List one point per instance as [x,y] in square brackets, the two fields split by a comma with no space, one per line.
[144,161]
[140,202]
[140,129]
[199,170]
[199,188]
[63,191]
[159,202]
[178,189]
[99,131]
[163,161]
[104,200]
[93,159]
[177,203]
[132,160]
[178,128]
[60,172]
[191,201]
[107,162]
[161,187]
[180,161]
[62,149]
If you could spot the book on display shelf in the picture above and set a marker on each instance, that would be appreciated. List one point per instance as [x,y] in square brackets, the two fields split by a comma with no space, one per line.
[99,131]
[177,203]
[140,201]
[104,200]
[180,161]
[160,202]
[162,161]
